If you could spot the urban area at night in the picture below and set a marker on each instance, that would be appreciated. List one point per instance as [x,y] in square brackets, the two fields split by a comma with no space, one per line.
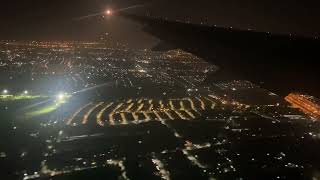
[83,109]
[159,90]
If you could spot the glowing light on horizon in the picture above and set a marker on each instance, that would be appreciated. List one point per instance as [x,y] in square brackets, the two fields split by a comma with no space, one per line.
[108,12]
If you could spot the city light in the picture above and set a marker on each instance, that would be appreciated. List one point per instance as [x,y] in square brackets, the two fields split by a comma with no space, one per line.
[305,103]
[117,90]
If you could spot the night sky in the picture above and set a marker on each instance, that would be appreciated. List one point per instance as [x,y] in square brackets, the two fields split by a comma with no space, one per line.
[53,19]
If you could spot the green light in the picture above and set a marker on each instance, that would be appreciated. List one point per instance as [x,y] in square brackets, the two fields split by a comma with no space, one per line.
[9,97]
[44,110]
[60,99]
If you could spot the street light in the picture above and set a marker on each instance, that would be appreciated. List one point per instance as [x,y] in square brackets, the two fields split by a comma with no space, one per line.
[5,91]
[25,92]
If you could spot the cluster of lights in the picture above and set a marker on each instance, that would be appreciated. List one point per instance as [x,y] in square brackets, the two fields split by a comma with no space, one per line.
[6,91]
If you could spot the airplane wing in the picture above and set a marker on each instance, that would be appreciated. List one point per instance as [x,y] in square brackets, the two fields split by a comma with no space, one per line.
[280,63]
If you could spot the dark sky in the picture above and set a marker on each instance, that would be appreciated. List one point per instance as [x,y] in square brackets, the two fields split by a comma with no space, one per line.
[53,19]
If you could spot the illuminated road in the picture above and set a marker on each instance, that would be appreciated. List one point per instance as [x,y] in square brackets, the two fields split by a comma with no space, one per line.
[144,110]
[69,121]
[304,103]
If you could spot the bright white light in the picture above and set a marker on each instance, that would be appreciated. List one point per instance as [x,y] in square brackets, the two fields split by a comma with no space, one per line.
[61,96]
[5,91]
[25,92]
